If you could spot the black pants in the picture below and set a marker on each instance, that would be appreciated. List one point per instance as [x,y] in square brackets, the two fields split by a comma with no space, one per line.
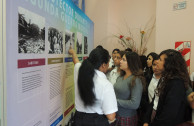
[90,119]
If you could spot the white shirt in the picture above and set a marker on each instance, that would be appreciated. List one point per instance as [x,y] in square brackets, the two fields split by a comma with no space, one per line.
[151,91]
[113,75]
[111,63]
[192,76]
[105,103]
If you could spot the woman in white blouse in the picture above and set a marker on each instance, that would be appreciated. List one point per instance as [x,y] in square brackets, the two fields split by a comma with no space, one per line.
[95,99]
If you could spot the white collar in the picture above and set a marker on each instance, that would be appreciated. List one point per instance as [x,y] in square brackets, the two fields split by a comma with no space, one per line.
[115,70]
[155,77]
[100,73]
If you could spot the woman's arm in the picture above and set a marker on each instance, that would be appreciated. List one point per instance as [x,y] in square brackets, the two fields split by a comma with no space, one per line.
[74,56]
[148,113]
[190,99]
[111,117]
[109,103]
[145,124]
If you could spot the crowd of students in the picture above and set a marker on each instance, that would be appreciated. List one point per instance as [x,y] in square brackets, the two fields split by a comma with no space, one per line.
[127,90]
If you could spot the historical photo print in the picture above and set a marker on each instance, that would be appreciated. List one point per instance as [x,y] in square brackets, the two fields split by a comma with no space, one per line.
[79,43]
[31,32]
[55,38]
[69,41]
[85,45]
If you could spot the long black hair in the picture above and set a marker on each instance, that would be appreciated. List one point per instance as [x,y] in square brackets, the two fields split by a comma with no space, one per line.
[96,58]
[174,67]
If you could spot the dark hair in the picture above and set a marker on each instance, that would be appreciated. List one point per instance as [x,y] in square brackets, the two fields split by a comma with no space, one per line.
[156,58]
[153,54]
[99,46]
[174,67]
[121,53]
[134,64]
[128,49]
[143,59]
[86,73]
[115,50]
[148,70]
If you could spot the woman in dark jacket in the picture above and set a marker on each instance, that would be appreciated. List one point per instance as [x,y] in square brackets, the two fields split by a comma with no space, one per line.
[148,72]
[171,91]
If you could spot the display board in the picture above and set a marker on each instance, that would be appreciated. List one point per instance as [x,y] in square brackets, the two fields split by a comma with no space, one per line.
[2,38]
[1,72]
[40,89]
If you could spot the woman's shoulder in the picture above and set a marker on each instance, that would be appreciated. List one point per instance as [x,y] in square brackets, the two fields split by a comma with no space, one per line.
[103,84]
[176,82]
[77,66]
[120,77]
[101,79]
[138,82]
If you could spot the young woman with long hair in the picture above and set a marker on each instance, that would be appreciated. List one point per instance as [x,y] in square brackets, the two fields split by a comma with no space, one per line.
[148,72]
[129,88]
[95,100]
[171,91]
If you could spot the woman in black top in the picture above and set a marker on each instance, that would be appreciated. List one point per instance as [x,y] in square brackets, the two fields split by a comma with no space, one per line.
[171,91]
[148,72]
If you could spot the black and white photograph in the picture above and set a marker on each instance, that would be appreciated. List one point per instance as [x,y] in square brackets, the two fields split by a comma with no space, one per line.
[55,38]
[79,43]
[69,40]
[85,45]
[31,32]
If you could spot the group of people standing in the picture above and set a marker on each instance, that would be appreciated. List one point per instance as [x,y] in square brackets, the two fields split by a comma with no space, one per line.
[120,92]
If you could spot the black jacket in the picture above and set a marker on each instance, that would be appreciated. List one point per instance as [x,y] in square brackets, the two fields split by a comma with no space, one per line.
[171,105]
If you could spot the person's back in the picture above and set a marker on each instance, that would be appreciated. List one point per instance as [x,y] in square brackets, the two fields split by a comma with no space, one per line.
[103,91]
[95,100]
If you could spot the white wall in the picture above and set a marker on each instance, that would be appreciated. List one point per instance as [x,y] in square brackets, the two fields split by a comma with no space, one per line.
[111,16]
[172,26]
[97,11]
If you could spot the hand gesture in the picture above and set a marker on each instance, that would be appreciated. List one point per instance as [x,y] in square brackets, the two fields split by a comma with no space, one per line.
[190,99]
[71,51]
[145,124]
